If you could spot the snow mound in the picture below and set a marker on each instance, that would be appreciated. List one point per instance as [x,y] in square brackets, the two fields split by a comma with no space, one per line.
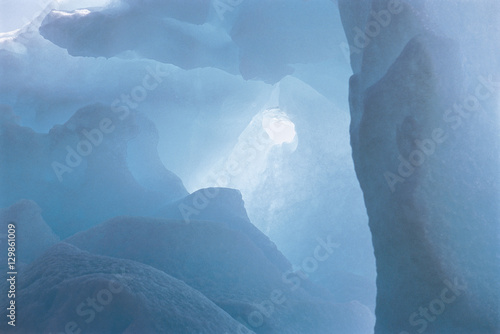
[70,290]
[226,207]
[228,268]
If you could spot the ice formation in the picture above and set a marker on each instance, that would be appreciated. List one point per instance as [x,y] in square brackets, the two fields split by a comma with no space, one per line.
[199,163]
[424,102]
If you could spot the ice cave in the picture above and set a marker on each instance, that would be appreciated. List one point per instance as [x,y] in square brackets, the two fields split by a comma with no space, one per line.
[250,166]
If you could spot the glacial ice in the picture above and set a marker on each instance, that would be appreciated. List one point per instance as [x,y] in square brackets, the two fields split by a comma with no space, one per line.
[193,94]
[230,269]
[234,38]
[123,125]
[82,176]
[424,109]
[69,290]
[225,207]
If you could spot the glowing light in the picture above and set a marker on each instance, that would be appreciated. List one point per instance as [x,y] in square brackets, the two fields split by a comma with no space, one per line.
[78,12]
[278,127]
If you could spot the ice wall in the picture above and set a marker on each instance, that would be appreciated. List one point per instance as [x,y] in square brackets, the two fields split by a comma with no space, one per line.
[167,83]
[78,172]
[424,102]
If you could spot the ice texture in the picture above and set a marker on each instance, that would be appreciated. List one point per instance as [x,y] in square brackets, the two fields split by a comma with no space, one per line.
[256,39]
[230,269]
[424,102]
[69,290]
[78,173]
[223,206]
[124,126]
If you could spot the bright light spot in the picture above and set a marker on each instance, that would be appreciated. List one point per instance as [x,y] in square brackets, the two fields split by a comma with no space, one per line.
[278,127]
[78,12]
[82,12]
[280,131]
